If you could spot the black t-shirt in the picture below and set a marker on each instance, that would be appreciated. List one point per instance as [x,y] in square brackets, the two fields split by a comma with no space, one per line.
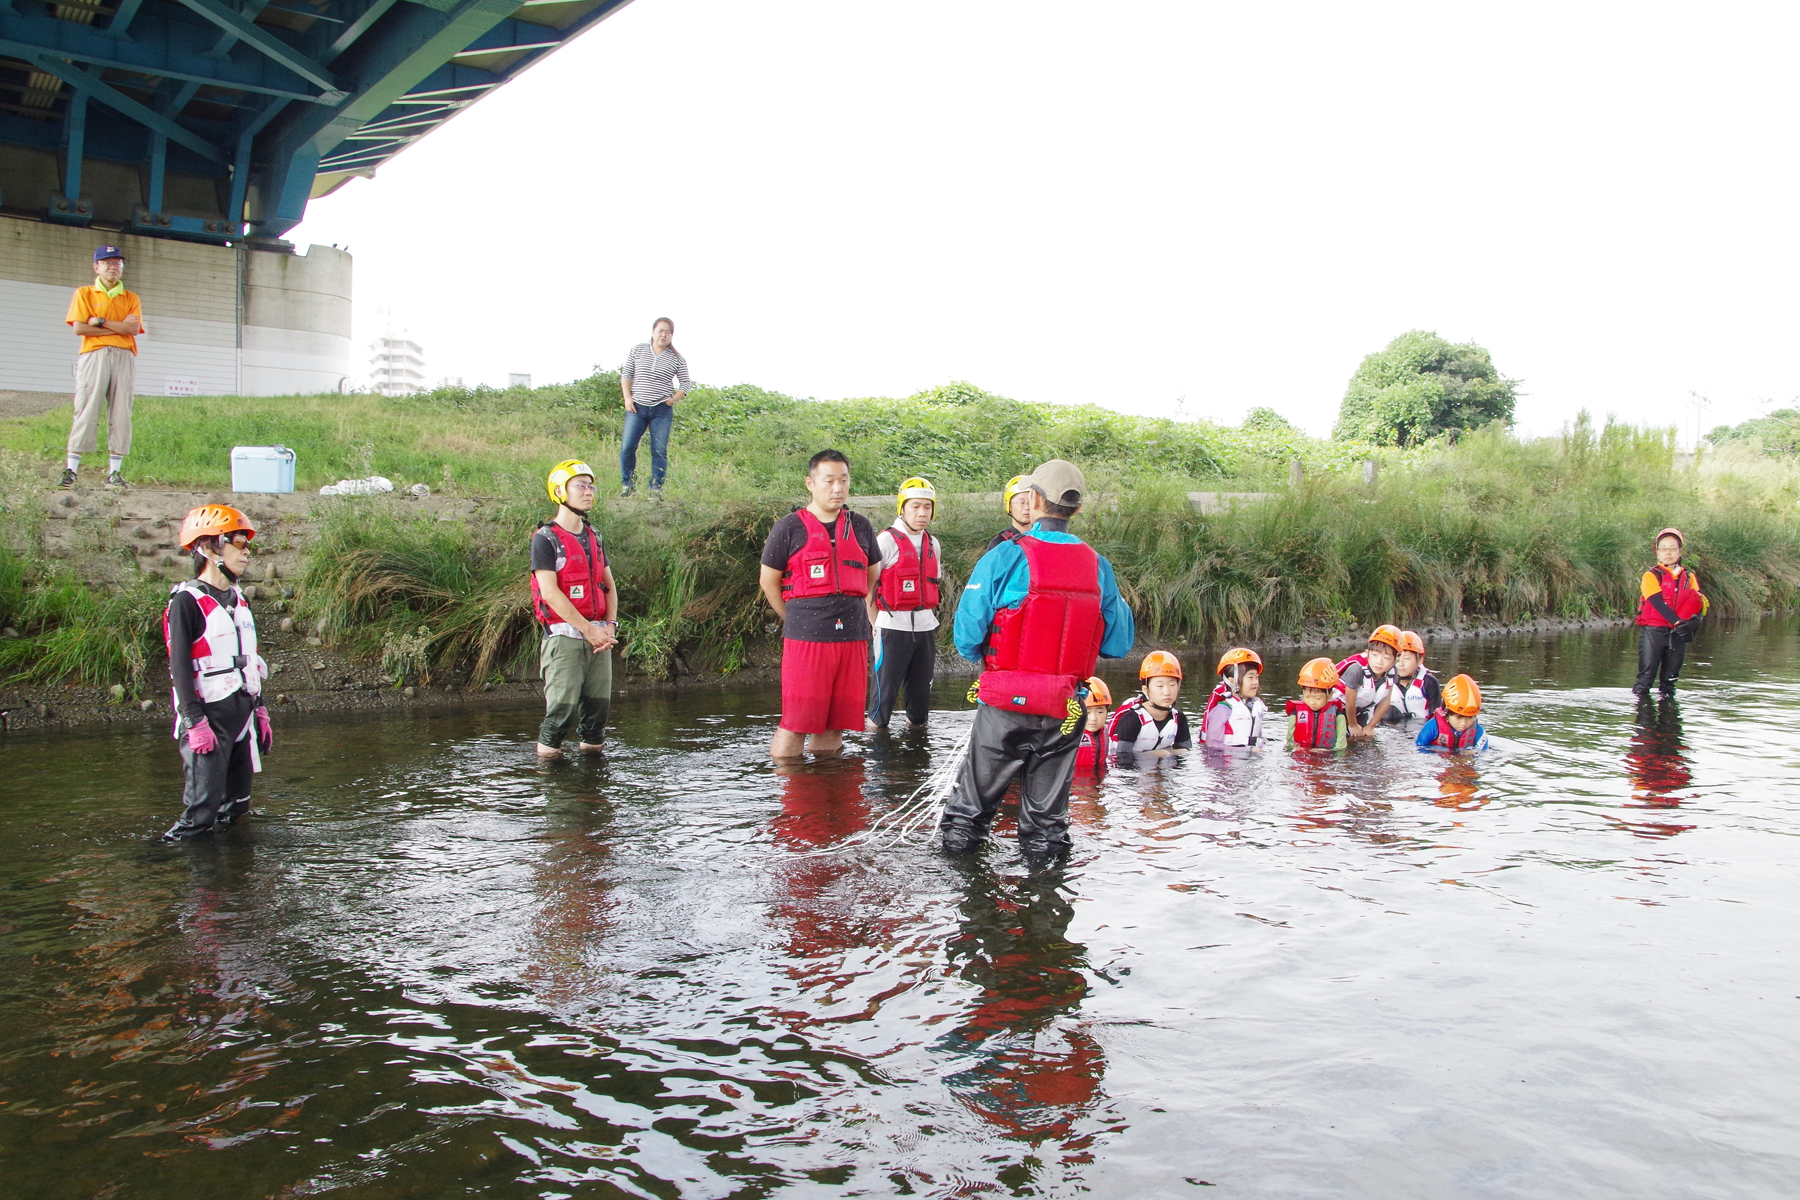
[547,548]
[227,716]
[821,618]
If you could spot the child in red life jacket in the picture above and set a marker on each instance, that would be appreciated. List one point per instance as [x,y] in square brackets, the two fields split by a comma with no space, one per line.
[1454,726]
[1149,722]
[1235,712]
[1092,751]
[906,602]
[216,674]
[1318,715]
[1669,615]
[577,610]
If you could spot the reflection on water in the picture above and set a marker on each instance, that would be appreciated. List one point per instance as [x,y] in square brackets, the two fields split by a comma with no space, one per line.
[438,968]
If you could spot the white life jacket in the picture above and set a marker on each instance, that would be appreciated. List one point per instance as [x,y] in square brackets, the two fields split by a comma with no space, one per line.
[1408,696]
[1150,735]
[1368,693]
[1243,719]
[225,657]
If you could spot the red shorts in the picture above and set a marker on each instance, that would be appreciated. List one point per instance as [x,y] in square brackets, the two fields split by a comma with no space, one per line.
[823,685]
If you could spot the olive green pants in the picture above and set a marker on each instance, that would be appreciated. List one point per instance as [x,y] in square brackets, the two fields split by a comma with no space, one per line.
[577,690]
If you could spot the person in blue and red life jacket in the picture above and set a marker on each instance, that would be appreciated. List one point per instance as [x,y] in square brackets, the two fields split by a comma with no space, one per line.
[1454,727]
[216,674]
[1235,713]
[821,573]
[1366,677]
[1149,722]
[1669,615]
[1090,752]
[1413,692]
[1037,613]
[1017,507]
[577,610]
[906,620]
[1317,718]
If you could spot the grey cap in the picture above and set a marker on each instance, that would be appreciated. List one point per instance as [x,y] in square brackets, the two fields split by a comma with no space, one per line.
[1060,481]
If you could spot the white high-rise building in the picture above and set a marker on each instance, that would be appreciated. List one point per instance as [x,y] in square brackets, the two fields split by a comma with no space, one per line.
[397,366]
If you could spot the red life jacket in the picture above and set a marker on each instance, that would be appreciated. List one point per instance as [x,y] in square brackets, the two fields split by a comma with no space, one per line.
[912,582]
[1449,738]
[1089,748]
[581,579]
[1040,652]
[826,565]
[1316,729]
[1679,593]
[1221,692]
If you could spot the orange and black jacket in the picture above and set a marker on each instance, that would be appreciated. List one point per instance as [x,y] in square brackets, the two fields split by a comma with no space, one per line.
[1670,597]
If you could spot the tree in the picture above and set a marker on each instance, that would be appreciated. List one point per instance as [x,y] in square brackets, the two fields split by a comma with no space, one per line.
[1421,386]
[1779,433]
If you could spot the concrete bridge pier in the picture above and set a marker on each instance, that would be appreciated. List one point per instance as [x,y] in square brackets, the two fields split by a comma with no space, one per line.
[222,320]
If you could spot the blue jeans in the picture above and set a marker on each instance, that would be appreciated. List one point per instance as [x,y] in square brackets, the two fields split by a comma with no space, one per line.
[656,418]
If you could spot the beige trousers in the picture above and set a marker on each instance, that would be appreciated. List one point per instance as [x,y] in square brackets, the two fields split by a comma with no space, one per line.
[103,376]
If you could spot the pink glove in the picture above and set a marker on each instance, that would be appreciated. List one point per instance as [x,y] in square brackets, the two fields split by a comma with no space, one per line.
[265,732]
[201,738]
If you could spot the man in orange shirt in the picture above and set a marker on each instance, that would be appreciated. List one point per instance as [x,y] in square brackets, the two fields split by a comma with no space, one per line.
[109,319]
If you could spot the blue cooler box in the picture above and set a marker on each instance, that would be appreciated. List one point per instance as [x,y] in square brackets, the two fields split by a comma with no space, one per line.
[262,469]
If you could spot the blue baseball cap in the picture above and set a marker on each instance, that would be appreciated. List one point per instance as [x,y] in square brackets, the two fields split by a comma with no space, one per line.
[108,252]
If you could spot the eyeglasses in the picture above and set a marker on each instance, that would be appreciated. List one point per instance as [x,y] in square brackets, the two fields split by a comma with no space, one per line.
[236,539]
[575,485]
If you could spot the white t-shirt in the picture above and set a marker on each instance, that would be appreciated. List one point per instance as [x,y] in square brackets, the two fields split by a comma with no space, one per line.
[917,618]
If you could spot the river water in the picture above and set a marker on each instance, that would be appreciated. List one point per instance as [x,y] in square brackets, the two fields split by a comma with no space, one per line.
[434,968]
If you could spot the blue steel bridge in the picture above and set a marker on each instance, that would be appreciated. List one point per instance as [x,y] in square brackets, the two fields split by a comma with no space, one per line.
[208,120]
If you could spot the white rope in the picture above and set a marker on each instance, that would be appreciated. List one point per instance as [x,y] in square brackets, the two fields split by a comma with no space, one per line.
[923,807]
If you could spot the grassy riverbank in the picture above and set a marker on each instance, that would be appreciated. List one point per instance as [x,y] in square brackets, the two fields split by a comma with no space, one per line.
[1490,528]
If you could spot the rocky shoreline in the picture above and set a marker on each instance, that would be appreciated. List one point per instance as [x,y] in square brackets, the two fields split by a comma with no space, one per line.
[311,679]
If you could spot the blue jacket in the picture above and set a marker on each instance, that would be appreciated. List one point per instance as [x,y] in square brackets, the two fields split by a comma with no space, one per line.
[1000,580]
[1429,734]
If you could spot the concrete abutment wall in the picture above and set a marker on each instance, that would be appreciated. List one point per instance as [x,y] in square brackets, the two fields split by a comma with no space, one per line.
[231,320]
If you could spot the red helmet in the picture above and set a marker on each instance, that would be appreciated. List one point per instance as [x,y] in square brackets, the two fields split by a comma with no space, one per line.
[211,519]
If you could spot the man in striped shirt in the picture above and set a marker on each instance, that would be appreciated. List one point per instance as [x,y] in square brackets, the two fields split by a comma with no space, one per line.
[654,378]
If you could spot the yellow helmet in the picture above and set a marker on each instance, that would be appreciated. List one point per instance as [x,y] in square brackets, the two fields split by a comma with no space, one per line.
[1012,489]
[916,488]
[558,481]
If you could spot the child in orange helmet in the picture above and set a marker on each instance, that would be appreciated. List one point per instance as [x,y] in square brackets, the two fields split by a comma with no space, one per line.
[1235,711]
[1149,721]
[1366,675]
[1454,727]
[216,674]
[1093,734]
[1414,692]
[1319,715]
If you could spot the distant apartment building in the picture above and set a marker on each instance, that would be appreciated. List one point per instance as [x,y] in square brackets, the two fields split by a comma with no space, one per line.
[397,366]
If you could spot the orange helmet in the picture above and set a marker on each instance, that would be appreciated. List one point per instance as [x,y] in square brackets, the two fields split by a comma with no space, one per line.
[210,519]
[1237,655]
[1412,641]
[1462,697]
[1159,663]
[1099,695]
[1319,673]
[1671,531]
[1389,634]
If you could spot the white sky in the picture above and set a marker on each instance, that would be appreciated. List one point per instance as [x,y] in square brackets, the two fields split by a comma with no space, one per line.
[1123,203]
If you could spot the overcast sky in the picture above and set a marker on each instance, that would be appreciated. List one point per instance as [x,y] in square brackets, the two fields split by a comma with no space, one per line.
[1130,204]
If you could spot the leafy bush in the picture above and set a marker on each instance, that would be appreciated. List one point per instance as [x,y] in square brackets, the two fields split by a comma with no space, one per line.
[1420,387]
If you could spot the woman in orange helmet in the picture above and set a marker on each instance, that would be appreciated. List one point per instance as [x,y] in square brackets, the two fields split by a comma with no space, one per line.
[1149,722]
[1234,711]
[1669,615]
[1366,677]
[216,673]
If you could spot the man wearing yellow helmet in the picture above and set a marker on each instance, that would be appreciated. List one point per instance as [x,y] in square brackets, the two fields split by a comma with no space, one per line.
[577,609]
[906,620]
[1017,507]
